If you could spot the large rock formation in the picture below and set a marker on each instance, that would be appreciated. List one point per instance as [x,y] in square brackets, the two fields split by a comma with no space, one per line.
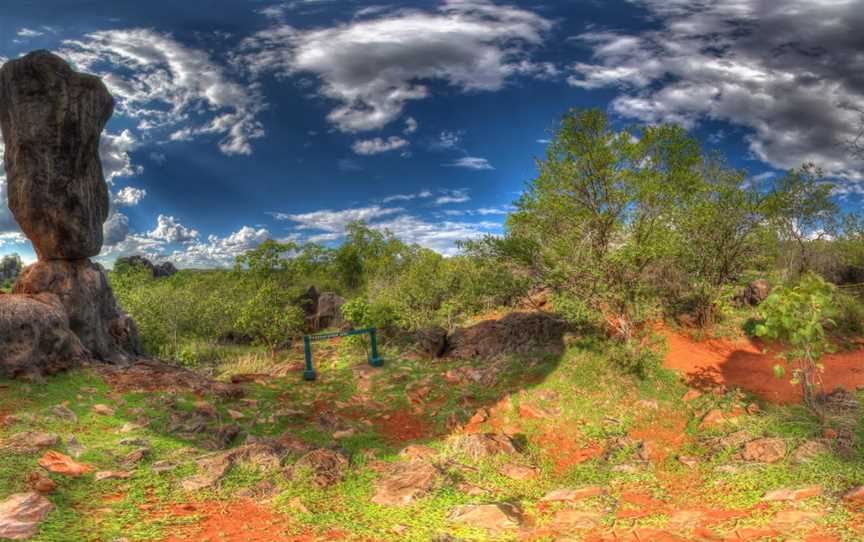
[51,118]
[158,270]
[94,316]
[35,338]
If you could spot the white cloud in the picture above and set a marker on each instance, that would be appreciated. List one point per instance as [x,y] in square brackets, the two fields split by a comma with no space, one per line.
[407,197]
[29,33]
[220,251]
[12,238]
[789,72]
[115,229]
[378,145]
[373,66]
[410,125]
[452,196]
[168,229]
[446,140]
[330,221]
[471,162]
[114,152]
[161,83]
[129,196]
[482,211]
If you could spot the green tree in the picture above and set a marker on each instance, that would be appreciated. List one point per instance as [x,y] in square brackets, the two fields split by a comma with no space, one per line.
[796,316]
[269,318]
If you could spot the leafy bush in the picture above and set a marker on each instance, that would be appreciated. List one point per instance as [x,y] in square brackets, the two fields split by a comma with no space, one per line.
[797,317]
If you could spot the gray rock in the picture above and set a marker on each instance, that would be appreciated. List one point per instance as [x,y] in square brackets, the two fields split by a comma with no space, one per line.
[21,514]
[52,118]
[107,332]
[35,337]
[405,482]
[494,517]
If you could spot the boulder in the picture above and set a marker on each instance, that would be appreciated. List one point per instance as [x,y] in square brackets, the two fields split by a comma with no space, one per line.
[326,467]
[35,338]
[483,445]
[94,315]
[764,450]
[21,514]
[405,482]
[52,119]
[164,269]
[754,293]
[328,312]
[431,341]
[515,333]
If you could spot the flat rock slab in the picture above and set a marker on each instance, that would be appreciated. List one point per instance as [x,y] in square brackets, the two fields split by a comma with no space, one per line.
[21,514]
[482,445]
[493,517]
[572,494]
[30,442]
[764,450]
[403,483]
[63,464]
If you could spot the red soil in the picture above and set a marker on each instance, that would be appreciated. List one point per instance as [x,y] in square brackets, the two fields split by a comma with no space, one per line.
[562,445]
[237,521]
[403,426]
[743,363]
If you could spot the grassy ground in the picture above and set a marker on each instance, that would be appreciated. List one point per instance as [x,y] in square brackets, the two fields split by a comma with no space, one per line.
[578,416]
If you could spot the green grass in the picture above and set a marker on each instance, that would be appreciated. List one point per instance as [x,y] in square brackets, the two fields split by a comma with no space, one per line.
[589,396]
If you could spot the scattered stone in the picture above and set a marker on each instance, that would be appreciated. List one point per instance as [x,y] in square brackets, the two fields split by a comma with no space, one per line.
[626,469]
[206,408]
[764,450]
[532,412]
[713,419]
[856,494]
[792,494]
[688,461]
[796,519]
[810,450]
[691,395]
[647,404]
[571,520]
[111,475]
[404,483]
[732,440]
[263,490]
[327,466]
[470,489]
[493,517]
[163,466]
[62,464]
[135,456]
[137,441]
[296,504]
[29,442]
[21,514]
[517,471]
[103,410]
[753,409]
[418,451]
[222,437]
[346,433]
[130,427]
[482,445]
[41,483]
[572,495]
[235,414]
[64,413]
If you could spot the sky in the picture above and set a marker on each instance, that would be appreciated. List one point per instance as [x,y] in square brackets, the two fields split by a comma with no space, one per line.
[238,121]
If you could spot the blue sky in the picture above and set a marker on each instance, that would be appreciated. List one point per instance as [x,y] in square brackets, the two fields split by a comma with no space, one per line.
[242,120]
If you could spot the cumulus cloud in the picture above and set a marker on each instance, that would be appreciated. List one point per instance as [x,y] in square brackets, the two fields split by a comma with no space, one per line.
[115,229]
[114,151]
[329,225]
[378,145]
[220,251]
[411,125]
[373,66]
[789,72]
[161,83]
[169,230]
[129,196]
[471,162]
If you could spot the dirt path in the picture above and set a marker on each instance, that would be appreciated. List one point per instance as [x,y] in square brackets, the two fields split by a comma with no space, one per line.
[743,363]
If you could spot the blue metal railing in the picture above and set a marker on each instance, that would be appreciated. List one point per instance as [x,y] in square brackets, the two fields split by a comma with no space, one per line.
[374,359]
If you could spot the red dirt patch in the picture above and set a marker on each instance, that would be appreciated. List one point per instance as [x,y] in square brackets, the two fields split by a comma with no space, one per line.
[237,521]
[403,426]
[563,447]
[663,433]
[743,363]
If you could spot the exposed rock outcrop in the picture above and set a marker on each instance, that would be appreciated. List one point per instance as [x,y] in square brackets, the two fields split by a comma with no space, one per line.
[328,312]
[35,338]
[754,293]
[52,118]
[158,270]
[62,309]
[94,315]
[515,333]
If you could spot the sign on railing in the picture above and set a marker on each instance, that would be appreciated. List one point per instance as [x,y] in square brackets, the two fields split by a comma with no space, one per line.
[374,359]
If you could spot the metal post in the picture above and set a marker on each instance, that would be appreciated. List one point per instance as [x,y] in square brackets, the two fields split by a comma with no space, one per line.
[309,372]
[374,359]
